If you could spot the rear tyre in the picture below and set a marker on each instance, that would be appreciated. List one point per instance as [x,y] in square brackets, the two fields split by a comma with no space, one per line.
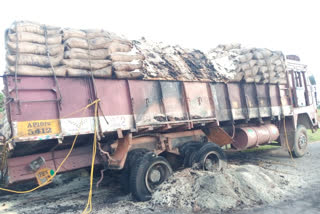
[188,152]
[146,174]
[132,157]
[211,157]
[300,143]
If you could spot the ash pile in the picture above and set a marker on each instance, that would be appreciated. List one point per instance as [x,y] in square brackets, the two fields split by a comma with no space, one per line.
[214,192]
[39,50]
[174,62]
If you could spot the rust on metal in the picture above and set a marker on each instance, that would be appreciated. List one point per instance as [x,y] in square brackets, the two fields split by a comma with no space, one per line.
[217,135]
[19,170]
[118,158]
[247,137]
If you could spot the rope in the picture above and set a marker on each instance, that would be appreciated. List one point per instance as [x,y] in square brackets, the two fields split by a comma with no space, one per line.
[285,134]
[92,78]
[88,208]
[17,59]
[49,59]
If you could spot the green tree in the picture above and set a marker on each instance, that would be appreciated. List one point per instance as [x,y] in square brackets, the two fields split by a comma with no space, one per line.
[1,102]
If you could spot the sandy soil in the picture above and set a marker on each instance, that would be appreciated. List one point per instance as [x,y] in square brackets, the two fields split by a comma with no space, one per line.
[254,182]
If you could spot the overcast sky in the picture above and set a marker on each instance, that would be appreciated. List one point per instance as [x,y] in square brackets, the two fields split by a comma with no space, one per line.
[290,26]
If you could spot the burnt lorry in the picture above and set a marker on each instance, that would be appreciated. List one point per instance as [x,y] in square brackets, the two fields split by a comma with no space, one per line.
[147,128]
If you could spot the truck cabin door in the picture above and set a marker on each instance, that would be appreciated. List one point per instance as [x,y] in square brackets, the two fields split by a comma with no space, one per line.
[300,90]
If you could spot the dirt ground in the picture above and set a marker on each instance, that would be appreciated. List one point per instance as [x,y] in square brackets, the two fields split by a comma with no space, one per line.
[264,181]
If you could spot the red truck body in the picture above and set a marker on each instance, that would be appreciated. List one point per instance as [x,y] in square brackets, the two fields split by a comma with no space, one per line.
[158,115]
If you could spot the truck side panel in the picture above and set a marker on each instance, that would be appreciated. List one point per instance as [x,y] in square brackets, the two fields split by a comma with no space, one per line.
[134,104]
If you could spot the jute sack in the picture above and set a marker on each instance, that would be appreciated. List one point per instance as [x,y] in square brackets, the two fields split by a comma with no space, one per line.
[247,73]
[261,62]
[238,77]
[78,53]
[37,60]
[273,80]
[256,79]
[125,57]
[245,57]
[85,64]
[282,81]
[249,79]
[75,33]
[271,60]
[227,47]
[271,67]
[127,66]
[97,43]
[248,65]
[281,75]
[272,74]
[119,47]
[34,28]
[263,69]
[90,34]
[38,71]
[255,70]
[278,62]
[35,38]
[261,53]
[33,48]
[266,75]
[104,72]
[129,74]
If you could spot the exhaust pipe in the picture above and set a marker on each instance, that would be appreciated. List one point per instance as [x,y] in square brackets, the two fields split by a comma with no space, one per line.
[247,137]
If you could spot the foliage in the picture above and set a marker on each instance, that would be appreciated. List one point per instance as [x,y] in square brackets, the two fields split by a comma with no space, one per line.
[314,136]
[1,102]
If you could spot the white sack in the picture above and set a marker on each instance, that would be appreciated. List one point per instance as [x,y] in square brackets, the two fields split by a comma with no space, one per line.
[38,71]
[37,60]
[34,48]
[84,64]
[35,38]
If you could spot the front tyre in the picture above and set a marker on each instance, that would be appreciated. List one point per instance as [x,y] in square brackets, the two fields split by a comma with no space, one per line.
[147,173]
[300,143]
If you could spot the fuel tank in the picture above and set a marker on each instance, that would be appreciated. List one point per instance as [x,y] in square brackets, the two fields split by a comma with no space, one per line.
[247,137]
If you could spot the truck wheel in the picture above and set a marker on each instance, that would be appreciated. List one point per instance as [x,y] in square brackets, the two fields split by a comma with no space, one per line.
[211,157]
[147,173]
[133,155]
[189,153]
[300,142]
[183,149]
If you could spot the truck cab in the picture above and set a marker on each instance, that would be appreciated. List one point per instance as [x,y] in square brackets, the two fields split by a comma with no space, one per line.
[304,94]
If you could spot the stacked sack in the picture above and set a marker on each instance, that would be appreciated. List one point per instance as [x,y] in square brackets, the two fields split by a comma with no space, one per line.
[34,49]
[98,52]
[236,63]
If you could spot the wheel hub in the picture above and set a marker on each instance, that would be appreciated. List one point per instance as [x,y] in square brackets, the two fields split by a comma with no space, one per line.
[211,162]
[302,142]
[154,176]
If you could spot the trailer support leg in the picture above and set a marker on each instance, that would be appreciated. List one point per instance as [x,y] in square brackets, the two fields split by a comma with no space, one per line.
[118,158]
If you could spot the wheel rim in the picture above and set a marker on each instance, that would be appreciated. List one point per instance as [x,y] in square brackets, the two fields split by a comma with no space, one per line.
[156,174]
[211,162]
[302,142]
